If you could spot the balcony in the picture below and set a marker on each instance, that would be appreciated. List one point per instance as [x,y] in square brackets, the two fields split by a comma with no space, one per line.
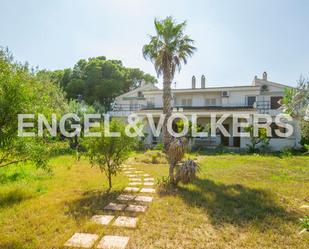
[120,110]
[126,109]
[200,106]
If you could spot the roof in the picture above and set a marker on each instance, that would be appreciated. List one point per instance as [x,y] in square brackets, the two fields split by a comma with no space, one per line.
[208,89]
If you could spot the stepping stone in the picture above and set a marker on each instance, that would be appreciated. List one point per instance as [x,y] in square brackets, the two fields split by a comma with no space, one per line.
[148,190]
[138,171]
[113,242]
[115,206]
[136,208]
[130,175]
[146,175]
[131,189]
[148,179]
[305,206]
[85,240]
[135,179]
[124,221]
[102,219]
[135,183]
[123,197]
[144,198]
[148,183]
[128,170]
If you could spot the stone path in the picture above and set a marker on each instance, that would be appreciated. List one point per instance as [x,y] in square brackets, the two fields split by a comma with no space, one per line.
[102,219]
[140,182]
[113,242]
[85,240]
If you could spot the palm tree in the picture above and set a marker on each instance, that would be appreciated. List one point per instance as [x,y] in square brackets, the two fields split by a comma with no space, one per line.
[167,50]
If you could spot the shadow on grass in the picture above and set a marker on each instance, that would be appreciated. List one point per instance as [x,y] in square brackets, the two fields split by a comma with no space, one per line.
[11,245]
[14,197]
[91,203]
[234,204]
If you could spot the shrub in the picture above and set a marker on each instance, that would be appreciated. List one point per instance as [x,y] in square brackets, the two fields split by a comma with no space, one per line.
[152,157]
[158,146]
[304,224]
[286,152]
[164,186]
[186,173]
[306,147]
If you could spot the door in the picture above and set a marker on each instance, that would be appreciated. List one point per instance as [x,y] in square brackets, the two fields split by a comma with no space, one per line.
[251,100]
[224,139]
[236,140]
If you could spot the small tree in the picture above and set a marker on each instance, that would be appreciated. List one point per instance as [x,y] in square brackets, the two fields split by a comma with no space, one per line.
[109,152]
[257,142]
[296,104]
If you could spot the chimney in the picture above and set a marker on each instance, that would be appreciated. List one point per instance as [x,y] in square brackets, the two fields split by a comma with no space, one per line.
[265,76]
[143,83]
[203,81]
[193,82]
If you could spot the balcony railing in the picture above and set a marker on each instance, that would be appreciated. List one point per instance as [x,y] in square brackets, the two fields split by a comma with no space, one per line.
[121,110]
[263,105]
[126,109]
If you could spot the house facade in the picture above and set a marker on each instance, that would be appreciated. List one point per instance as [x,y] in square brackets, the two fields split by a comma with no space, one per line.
[260,97]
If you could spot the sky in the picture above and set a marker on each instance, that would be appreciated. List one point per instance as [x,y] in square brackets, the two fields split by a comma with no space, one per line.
[235,39]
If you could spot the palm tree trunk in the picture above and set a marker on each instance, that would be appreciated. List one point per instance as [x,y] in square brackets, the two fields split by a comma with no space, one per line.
[171,173]
[167,110]
[167,106]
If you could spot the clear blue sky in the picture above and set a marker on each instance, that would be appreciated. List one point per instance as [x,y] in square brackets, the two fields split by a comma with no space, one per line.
[236,39]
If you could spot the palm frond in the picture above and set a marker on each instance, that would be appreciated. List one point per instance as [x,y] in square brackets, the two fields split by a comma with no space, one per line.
[170,47]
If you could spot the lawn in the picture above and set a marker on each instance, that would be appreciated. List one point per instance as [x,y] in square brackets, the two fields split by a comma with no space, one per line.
[237,201]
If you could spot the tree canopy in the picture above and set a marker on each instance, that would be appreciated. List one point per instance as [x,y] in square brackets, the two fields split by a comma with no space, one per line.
[98,80]
[23,92]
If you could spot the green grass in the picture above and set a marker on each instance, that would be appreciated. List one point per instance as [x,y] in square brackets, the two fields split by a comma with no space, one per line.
[238,201]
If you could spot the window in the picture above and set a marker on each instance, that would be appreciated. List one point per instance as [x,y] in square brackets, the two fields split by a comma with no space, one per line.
[140,94]
[274,102]
[251,100]
[189,102]
[210,102]
[186,102]
[150,102]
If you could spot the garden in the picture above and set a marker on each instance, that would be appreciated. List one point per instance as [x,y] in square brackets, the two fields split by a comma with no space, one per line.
[68,190]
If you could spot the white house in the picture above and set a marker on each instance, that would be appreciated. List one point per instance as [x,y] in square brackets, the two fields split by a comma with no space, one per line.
[262,96]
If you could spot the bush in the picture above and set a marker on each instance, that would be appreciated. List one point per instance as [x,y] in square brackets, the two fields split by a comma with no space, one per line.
[286,152]
[186,173]
[164,186]
[152,157]
[158,146]
[306,147]
[304,224]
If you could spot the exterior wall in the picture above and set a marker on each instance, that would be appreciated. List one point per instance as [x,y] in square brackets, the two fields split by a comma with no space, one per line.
[237,97]
[275,144]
